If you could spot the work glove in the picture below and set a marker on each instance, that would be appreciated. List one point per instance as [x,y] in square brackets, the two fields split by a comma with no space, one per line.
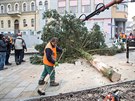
[56,64]
[64,50]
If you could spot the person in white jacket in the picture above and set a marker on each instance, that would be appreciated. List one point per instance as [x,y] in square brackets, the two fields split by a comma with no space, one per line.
[18,46]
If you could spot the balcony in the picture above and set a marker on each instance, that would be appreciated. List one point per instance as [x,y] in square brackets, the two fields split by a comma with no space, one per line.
[14,13]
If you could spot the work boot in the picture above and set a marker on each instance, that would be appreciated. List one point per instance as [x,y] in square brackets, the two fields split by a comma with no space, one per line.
[53,83]
[41,82]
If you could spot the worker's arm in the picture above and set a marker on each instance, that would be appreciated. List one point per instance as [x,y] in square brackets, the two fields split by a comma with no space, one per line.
[49,55]
[58,49]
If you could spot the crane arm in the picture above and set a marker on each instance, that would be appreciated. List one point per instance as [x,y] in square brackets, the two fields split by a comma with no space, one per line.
[101,9]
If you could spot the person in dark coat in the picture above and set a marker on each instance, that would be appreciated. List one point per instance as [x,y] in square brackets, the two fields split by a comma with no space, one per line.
[18,46]
[3,49]
[7,40]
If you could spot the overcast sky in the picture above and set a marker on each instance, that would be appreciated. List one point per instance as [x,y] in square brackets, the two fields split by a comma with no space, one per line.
[131,11]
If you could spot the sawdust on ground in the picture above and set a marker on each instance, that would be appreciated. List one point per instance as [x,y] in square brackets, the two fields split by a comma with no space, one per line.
[81,75]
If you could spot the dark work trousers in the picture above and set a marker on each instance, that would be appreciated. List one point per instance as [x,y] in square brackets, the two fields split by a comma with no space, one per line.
[48,70]
[7,57]
[22,54]
[18,56]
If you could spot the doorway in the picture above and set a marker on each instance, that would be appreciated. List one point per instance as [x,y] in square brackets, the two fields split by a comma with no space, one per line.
[16,27]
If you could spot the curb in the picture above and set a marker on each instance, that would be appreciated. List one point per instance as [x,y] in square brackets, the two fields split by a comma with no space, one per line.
[39,98]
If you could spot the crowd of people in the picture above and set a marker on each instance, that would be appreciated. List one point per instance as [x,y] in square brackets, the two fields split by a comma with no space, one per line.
[8,44]
[122,38]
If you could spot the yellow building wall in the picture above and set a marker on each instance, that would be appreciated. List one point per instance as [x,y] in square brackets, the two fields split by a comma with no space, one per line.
[5,20]
[28,18]
[28,22]
[118,14]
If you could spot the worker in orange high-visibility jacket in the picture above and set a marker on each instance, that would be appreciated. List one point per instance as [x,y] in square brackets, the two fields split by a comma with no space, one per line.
[124,37]
[49,60]
[121,35]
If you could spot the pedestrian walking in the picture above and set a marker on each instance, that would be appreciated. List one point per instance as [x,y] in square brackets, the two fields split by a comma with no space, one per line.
[49,60]
[3,49]
[18,46]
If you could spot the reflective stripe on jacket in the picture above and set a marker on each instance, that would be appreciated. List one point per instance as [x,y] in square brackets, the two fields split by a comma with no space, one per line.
[54,55]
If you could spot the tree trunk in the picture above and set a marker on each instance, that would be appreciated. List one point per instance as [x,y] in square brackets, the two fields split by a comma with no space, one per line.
[107,71]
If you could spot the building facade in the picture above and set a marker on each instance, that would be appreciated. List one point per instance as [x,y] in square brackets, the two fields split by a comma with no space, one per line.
[111,21]
[20,16]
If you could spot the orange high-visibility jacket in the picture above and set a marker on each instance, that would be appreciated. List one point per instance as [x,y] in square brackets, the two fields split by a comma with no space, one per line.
[54,55]
[121,35]
[11,40]
[124,36]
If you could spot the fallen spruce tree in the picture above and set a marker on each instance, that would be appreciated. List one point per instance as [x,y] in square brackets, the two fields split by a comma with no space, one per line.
[75,37]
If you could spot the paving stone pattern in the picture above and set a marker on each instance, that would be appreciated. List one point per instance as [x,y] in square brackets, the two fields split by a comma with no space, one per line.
[17,81]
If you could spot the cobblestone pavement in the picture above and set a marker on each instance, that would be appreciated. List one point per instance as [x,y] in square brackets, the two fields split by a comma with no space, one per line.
[19,82]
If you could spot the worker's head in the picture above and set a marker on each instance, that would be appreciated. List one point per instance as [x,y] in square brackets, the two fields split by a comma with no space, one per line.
[123,33]
[54,41]
[19,34]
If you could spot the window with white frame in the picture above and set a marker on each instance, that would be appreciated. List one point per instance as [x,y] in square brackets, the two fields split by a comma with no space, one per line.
[122,7]
[61,10]
[24,23]
[61,6]
[86,6]
[16,8]
[8,7]
[2,24]
[73,6]
[2,9]
[31,32]
[40,3]
[24,7]
[32,22]
[9,23]
[32,6]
